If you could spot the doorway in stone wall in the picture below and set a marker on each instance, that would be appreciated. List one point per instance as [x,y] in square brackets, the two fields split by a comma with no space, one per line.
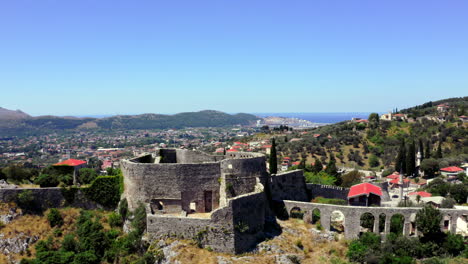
[208,201]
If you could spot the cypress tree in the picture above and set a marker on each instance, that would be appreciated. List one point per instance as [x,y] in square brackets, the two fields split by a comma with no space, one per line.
[421,149]
[439,150]
[411,159]
[400,163]
[428,150]
[273,158]
[318,166]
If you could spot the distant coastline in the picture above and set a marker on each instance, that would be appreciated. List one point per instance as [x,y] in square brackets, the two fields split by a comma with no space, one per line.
[321,118]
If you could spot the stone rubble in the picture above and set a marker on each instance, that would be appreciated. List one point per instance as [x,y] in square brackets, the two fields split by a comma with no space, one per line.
[16,244]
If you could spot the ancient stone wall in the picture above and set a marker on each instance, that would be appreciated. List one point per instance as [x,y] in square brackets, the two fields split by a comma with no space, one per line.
[193,156]
[240,175]
[186,182]
[352,215]
[232,229]
[44,198]
[289,186]
[327,191]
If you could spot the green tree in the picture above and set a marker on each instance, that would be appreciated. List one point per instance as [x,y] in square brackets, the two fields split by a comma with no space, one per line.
[273,158]
[46,180]
[400,163]
[351,178]
[54,217]
[411,159]
[430,167]
[428,221]
[421,149]
[87,175]
[357,251]
[318,166]
[454,244]
[374,120]
[374,161]
[439,151]
[427,153]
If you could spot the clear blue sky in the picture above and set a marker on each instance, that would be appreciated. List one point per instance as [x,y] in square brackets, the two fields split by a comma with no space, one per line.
[108,57]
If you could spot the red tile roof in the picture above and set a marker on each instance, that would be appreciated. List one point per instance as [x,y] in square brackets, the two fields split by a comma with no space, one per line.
[296,163]
[422,194]
[452,169]
[364,189]
[70,162]
[397,181]
[231,150]
[393,176]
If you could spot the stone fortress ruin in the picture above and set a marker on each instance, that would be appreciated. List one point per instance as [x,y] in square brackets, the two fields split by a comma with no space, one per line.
[229,202]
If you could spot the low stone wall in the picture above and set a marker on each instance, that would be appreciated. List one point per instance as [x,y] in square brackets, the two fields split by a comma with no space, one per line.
[352,215]
[289,186]
[235,228]
[44,198]
[327,191]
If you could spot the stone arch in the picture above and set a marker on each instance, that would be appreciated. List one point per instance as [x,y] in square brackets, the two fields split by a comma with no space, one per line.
[296,212]
[337,221]
[397,224]
[367,222]
[316,216]
[382,219]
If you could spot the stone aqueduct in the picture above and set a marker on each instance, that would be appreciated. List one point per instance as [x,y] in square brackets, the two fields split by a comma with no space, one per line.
[353,214]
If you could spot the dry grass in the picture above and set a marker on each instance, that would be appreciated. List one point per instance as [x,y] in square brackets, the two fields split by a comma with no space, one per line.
[293,231]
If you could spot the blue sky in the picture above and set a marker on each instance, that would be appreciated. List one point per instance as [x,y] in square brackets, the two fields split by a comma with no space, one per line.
[116,57]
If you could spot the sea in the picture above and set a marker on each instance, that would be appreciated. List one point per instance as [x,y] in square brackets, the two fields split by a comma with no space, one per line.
[321,118]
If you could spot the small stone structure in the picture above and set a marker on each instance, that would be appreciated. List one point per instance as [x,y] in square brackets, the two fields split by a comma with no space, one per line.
[220,201]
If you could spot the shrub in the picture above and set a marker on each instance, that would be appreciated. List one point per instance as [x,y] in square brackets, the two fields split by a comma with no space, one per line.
[454,244]
[88,257]
[69,243]
[299,244]
[123,208]
[115,220]
[139,219]
[69,194]
[46,180]
[357,251]
[87,175]
[105,190]
[54,217]
[25,200]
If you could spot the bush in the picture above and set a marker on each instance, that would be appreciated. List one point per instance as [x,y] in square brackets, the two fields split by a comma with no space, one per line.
[115,220]
[357,251]
[46,180]
[69,243]
[87,257]
[123,208]
[454,244]
[54,217]
[25,200]
[323,200]
[105,190]
[87,175]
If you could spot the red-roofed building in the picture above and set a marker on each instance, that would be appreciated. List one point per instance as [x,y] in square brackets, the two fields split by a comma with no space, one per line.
[296,163]
[422,194]
[396,183]
[76,164]
[452,169]
[393,176]
[231,150]
[364,194]
[70,162]
[316,135]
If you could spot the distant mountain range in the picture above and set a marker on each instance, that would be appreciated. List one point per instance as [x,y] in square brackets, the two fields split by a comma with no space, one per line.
[14,122]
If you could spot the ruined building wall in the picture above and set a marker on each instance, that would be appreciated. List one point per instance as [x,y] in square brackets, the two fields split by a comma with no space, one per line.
[185,182]
[289,186]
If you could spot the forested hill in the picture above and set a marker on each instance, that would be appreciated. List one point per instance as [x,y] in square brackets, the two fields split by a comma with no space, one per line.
[438,132]
[207,118]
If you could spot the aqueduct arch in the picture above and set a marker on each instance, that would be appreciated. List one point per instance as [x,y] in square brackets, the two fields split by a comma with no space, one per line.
[382,217]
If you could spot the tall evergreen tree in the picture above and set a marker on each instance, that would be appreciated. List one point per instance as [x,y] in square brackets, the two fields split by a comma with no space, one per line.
[318,166]
[439,150]
[427,154]
[400,163]
[411,159]
[421,149]
[273,158]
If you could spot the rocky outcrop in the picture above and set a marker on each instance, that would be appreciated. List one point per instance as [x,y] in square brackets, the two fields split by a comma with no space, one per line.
[16,245]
